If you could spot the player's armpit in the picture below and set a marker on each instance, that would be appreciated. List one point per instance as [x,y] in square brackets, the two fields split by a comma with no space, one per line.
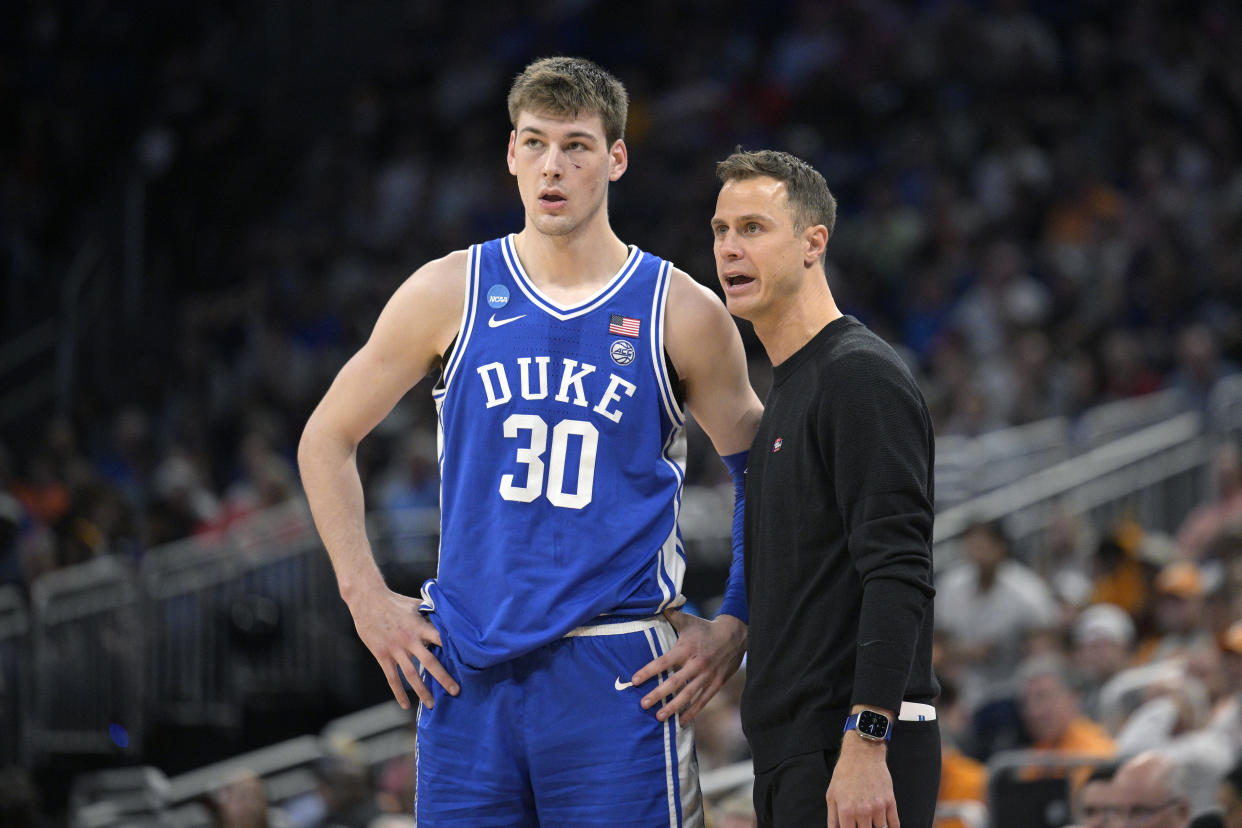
[706,349]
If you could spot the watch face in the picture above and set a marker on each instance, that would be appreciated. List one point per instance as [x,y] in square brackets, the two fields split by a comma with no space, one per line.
[872,724]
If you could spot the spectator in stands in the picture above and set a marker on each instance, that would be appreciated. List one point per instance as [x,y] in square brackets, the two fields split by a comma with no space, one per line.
[19,799]
[411,484]
[1229,795]
[1150,791]
[241,802]
[1207,520]
[1209,748]
[1199,365]
[1095,801]
[1005,299]
[396,782]
[1175,707]
[1120,572]
[1126,204]
[1103,641]
[11,518]
[346,793]
[987,605]
[735,811]
[718,737]
[962,779]
[1179,618]
[1127,369]
[1051,712]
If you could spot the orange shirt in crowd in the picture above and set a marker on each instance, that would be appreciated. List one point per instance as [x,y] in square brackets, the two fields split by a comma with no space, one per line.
[962,779]
[1083,739]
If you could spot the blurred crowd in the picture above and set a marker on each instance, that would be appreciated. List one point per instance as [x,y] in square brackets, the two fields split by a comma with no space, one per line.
[1040,203]
[1120,644]
[1040,207]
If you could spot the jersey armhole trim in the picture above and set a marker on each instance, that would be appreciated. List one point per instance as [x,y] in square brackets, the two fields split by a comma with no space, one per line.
[668,395]
[468,315]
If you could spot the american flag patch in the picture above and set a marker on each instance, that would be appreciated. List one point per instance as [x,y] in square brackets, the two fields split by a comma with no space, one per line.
[623,325]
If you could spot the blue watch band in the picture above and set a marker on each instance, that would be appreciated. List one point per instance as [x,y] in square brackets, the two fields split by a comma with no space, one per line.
[870,725]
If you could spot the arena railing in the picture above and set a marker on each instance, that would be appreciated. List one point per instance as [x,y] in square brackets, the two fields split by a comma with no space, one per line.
[967,467]
[1112,420]
[1154,475]
[253,612]
[961,814]
[287,770]
[1034,788]
[1225,407]
[129,797]
[375,735]
[87,643]
[14,675]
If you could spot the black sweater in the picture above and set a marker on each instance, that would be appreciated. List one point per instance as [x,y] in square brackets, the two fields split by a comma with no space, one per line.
[838,544]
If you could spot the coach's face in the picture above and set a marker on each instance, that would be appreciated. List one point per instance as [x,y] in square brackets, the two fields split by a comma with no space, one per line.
[563,167]
[761,260]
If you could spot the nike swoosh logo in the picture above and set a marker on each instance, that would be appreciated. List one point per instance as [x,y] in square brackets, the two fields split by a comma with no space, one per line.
[496,323]
[622,686]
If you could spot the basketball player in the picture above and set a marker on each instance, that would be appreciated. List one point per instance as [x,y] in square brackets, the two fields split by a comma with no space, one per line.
[560,692]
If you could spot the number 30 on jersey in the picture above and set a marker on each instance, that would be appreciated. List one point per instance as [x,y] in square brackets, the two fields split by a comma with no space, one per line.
[531,455]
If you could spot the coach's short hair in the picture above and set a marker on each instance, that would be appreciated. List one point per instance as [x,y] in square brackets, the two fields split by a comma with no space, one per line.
[569,87]
[806,190]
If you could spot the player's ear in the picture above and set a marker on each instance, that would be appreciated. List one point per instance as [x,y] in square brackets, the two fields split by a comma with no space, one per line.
[510,157]
[618,160]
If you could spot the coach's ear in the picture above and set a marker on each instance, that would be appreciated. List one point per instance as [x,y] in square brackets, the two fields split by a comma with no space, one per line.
[814,243]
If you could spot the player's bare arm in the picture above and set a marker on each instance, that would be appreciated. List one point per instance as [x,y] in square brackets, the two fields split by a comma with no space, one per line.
[409,339]
[707,352]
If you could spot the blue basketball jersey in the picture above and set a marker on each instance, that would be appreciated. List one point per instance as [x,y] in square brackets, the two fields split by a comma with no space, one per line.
[562,456]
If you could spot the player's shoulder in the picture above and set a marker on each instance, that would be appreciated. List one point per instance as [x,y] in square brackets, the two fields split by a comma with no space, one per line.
[695,318]
[692,303]
[448,267]
[429,302]
[439,280]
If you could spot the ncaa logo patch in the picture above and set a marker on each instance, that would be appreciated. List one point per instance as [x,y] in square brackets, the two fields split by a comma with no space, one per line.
[622,352]
[497,297]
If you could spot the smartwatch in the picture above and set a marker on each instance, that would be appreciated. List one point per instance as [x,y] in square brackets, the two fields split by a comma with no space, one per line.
[872,726]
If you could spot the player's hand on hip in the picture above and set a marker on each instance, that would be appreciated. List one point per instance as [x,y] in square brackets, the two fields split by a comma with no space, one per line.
[706,654]
[860,793]
[397,634]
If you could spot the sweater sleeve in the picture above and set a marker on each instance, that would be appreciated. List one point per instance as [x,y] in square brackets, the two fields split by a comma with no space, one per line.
[880,438]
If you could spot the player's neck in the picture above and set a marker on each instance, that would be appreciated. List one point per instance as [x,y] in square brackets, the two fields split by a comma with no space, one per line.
[574,265]
[796,321]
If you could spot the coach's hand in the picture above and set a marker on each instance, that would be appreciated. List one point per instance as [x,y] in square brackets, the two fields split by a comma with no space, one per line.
[860,793]
[706,654]
[396,633]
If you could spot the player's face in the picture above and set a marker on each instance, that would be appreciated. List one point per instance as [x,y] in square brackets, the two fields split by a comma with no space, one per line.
[563,167]
[760,260]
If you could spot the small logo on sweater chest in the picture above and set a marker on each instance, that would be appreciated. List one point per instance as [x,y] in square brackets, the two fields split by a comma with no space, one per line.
[776,446]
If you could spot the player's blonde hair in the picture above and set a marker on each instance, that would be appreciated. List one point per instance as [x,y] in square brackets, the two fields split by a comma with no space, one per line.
[569,87]
[807,192]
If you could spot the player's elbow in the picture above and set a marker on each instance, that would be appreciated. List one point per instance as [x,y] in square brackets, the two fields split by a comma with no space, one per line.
[318,443]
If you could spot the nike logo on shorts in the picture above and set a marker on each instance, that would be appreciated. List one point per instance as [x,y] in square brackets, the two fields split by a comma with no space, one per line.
[620,685]
[493,322]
